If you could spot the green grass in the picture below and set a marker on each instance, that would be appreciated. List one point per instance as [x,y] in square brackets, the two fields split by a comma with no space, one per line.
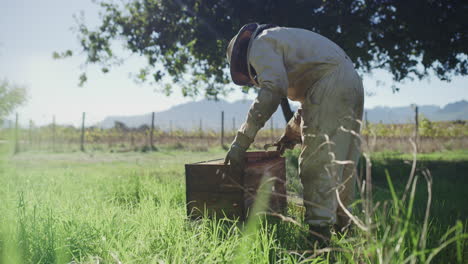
[449,172]
[130,207]
[459,155]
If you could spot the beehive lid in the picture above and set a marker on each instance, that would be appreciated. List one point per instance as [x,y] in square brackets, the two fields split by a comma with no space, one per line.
[254,156]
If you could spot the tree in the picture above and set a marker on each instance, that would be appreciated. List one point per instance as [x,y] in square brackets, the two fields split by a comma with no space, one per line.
[189,37]
[11,96]
[120,126]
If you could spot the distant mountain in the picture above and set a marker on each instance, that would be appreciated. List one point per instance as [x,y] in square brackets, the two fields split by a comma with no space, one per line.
[453,111]
[188,116]
[405,114]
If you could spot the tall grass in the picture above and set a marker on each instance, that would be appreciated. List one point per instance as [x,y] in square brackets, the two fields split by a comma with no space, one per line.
[130,208]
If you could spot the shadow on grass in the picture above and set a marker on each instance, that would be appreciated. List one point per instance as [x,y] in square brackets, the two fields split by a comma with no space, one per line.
[449,187]
[450,181]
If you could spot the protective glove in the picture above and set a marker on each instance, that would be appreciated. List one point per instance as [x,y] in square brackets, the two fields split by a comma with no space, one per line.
[236,154]
[291,135]
[285,142]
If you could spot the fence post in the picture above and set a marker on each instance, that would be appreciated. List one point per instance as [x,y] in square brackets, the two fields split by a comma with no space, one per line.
[53,133]
[152,132]
[132,139]
[16,135]
[365,120]
[272,129]
[201,128]
[170,128]
[82,132]
[222,128]
[416,127]
[30,133]
[366,126]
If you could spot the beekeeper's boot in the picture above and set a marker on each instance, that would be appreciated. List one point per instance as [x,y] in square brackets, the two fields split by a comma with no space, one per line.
[319,236]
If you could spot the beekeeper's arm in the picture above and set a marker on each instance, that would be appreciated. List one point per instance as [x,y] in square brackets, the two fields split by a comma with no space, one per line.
[267,60]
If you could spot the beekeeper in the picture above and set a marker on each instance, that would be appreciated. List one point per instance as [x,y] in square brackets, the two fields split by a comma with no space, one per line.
[308,68]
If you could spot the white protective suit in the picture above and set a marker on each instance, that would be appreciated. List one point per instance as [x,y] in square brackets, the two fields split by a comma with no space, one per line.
[309,68]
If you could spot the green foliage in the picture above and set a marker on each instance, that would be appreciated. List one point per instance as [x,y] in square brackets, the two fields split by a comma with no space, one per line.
[130,208]
[293,182]
[189,37]
[11,96]
[61,55]
[427,128]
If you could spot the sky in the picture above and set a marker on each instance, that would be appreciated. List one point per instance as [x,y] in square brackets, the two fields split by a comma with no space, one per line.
[31,30]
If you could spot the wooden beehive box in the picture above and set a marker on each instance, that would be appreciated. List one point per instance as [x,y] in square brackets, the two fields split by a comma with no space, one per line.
[212,189]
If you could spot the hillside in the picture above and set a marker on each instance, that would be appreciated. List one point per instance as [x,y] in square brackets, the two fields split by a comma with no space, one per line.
[188,116]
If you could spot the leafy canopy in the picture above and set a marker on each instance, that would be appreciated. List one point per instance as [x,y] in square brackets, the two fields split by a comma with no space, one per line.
[189,37]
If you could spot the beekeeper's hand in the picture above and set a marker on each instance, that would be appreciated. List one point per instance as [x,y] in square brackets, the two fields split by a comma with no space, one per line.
[291,135]
[236,153]
[286,142]
[236,159]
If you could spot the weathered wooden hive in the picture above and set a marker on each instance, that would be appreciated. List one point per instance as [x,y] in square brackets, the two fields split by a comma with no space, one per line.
[211,189]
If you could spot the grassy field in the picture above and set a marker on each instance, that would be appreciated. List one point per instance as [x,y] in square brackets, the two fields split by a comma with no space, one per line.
[105,207]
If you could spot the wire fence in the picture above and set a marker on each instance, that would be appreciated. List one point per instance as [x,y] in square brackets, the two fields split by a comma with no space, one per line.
[121,138]
[429,136]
